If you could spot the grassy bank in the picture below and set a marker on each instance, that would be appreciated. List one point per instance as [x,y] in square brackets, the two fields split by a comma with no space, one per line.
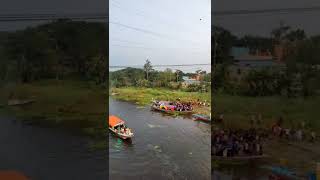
[70,104]
[238,109]
[143,96]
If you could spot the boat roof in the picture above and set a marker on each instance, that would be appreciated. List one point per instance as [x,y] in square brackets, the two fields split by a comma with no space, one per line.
[12,175]
[114,120]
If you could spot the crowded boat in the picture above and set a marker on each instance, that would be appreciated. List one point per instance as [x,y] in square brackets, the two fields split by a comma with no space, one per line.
[118,127]
[172,106]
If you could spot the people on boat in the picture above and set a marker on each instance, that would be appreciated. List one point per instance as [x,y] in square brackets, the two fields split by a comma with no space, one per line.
[174,106]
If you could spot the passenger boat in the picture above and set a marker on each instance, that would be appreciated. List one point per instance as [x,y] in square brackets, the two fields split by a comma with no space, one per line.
[116,125]
[12,175]
[16,102]
[238,159]
[202,117]
[283,173]
[157,108]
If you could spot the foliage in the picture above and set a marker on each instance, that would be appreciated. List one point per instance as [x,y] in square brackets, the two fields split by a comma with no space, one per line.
[147,68]
[158,79]
[58,49]
[143,96]
[298,77]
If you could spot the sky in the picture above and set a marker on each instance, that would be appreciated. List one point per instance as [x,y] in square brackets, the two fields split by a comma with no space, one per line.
[47,7]
[167,32]
[262,24]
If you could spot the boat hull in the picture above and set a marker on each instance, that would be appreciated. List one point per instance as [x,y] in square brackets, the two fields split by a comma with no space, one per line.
[201,118]
[171,112]
[122,136]
[237,160]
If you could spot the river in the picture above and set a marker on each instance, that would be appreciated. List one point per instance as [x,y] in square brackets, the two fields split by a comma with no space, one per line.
[48,154]
[164,147]
[252,171]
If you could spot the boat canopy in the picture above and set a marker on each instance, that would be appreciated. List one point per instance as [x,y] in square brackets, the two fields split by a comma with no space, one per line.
[114,121]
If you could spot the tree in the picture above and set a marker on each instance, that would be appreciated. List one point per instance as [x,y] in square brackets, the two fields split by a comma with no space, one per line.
[295,35]
[147,68]
[179,75]
[280,32]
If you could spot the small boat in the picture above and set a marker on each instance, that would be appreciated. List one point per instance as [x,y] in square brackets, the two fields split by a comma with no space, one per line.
[12,175]
[16,102]
[157,108]
[118,127]
[281,172]
[202,117]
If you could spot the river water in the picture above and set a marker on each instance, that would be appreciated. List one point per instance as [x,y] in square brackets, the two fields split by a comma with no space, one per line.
[48,154]
[252,171]
[163,147]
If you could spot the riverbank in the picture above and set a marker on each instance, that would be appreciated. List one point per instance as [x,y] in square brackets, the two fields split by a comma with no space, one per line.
[76,105]
[144,96]
[237,111]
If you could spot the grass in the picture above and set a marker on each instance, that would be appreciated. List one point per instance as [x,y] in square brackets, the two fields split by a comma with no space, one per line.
[143,96]
[70,104]
[238,109]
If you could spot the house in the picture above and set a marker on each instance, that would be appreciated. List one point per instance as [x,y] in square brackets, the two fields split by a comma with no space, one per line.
[188,81]
[239,51]
[254,61]
[196,77]
[244,60]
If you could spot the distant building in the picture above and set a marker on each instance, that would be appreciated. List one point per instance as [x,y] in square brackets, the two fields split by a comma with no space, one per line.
[245,59]
[195,77]
[239,51]
[254,61]
[188,81]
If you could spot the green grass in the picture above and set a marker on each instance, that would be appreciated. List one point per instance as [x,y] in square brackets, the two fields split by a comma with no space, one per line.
[237,110]
[70,104]
[143,96]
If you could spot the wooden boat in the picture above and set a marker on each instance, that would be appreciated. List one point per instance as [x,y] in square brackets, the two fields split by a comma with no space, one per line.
[115,124]
[16,102]
[156,108]
[281,172]
[12,175]
[201,117]
[237,159]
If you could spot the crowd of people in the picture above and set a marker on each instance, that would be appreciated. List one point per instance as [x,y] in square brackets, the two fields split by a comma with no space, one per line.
[173,106]
[237,143]
[298,134]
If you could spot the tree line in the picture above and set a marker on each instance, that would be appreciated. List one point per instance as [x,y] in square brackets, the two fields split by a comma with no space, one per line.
[59,50]
[148,77]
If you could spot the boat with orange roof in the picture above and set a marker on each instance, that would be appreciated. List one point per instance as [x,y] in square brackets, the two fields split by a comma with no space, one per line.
[118,127]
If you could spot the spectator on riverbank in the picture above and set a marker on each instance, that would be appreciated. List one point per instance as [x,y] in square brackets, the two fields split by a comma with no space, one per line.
[237,143]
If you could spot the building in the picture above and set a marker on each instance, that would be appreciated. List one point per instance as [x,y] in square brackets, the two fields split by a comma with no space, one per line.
[239,51]
[254,61]
[245,60]
[188,81]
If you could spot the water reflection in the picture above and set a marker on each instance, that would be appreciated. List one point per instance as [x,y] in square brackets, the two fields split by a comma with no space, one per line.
[50,154]
[250,171]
